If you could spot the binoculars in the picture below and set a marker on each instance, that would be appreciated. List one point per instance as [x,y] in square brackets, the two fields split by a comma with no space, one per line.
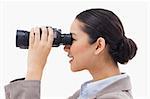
[22,38]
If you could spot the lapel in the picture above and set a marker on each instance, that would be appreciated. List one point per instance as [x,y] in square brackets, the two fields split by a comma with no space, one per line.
[120,85]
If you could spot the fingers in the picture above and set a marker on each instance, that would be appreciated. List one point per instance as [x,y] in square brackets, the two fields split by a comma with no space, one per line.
[37,35]
[46,36]
[31,38]
[50,36]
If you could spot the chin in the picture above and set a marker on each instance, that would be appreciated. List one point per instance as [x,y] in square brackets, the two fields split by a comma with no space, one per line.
[76,69]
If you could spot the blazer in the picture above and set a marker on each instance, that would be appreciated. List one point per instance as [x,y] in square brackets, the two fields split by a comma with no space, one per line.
[120,89]
[30,89]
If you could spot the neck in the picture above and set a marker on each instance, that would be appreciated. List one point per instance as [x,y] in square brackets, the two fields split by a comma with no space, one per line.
[104,70]
[103,66]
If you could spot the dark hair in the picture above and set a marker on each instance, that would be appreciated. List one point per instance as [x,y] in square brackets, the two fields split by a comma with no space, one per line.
[104,23]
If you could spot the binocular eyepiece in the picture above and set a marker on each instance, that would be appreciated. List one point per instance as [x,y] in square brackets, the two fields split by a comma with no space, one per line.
[22,38]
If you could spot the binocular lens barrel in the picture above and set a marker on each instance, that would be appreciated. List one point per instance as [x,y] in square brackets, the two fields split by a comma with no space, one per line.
[22,38]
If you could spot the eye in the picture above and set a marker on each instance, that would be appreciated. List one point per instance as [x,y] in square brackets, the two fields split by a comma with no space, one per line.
[73,39]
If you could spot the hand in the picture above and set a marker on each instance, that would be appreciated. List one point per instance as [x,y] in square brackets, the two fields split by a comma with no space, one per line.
[39,49]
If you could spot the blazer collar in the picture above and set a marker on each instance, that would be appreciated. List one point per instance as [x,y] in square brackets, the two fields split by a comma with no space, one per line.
[120,85]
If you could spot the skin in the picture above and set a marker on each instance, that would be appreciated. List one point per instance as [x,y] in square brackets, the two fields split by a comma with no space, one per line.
[92,57]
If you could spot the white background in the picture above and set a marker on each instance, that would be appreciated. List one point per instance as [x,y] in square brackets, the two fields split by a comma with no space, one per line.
[58,81]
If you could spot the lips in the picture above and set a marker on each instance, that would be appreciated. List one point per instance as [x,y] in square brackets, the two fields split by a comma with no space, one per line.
[70,56]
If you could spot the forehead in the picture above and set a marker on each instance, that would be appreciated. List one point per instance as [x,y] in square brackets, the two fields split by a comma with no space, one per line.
[76,27]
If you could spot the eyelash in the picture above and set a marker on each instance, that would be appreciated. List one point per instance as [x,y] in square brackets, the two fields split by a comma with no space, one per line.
[73,39]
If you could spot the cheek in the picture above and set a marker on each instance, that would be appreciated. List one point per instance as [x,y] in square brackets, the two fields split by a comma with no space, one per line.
[78,48]
[81,54]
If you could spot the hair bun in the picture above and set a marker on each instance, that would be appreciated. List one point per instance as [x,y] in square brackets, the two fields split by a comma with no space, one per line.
[124,51]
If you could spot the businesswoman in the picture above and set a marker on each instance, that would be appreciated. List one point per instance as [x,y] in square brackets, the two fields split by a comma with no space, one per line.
[99,44]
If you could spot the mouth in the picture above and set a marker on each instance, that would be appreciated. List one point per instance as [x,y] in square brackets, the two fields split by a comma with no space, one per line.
[70,56]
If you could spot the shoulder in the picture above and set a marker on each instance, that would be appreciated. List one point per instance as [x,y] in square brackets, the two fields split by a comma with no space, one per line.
[120,89]
[75,95]
[116,95]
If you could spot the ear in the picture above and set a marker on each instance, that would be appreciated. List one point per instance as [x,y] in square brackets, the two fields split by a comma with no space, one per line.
[100,45]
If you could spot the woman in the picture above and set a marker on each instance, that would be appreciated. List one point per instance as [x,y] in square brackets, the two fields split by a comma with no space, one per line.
[99,44]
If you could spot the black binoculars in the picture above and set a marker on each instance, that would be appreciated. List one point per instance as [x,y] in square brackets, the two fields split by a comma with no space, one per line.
[22,38]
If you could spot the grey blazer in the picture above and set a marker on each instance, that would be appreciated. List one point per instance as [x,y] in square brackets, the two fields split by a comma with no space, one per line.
[30,89]
[120,89]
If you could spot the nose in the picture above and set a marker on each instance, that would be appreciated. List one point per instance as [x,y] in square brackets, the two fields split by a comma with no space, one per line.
[67,48]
